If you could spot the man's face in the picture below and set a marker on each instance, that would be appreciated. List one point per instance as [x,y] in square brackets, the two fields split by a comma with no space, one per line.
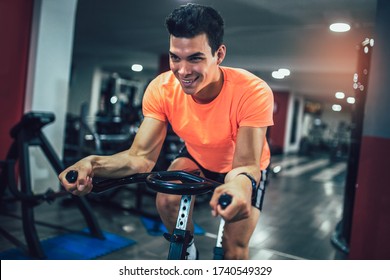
[193,64]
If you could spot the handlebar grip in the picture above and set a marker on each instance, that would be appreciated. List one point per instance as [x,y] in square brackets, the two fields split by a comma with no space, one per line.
[225,200]
[71,176]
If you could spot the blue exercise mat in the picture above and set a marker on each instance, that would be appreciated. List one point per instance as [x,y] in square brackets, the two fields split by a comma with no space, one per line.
[157,228]
[74,246]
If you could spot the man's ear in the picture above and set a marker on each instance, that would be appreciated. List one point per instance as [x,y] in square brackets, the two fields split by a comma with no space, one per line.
[221,53]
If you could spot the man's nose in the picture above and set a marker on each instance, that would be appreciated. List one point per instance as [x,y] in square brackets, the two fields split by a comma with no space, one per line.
[184,68]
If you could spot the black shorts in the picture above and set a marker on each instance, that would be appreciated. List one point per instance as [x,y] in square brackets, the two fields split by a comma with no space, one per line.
[257,200]
[219,177]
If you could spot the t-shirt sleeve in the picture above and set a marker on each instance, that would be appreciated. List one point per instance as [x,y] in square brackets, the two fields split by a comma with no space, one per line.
[256,106]
[152,102]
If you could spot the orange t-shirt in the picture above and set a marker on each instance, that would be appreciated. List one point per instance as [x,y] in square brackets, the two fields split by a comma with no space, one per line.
[210,130]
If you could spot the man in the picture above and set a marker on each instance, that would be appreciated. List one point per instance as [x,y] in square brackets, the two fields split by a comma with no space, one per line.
[221,114]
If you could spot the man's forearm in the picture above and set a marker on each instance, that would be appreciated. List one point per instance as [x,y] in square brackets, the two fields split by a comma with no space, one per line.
[119,165]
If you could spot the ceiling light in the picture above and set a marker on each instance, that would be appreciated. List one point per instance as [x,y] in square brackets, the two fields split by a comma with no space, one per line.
[277,75]
[339,27]
[137,67]
[340,95]
[114,99]
[351,100]
[336,107]
[284,71]
[281,73]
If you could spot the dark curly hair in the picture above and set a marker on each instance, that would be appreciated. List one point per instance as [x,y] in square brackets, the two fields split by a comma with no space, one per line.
[190,20]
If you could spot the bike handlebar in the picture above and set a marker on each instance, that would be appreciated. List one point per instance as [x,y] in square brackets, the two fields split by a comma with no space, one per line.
[190,184]
[225,200]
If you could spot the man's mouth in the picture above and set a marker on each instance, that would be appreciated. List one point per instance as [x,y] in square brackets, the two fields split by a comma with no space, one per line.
[188,82]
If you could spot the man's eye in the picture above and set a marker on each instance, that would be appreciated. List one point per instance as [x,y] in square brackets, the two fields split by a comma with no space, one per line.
[174,58]
[194,59]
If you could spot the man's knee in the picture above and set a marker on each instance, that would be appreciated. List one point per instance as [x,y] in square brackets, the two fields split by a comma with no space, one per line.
[183,163]
[167,202]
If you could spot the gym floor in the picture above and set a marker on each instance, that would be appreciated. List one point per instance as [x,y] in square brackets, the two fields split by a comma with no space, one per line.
[302,207]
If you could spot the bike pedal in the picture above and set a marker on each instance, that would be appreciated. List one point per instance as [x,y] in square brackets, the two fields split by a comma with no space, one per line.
[167,236]
[173,238]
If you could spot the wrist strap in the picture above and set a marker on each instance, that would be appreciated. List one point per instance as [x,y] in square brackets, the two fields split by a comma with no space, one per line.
[253,181]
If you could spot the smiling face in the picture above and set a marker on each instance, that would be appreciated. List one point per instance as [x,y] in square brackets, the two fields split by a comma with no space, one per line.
[196,67]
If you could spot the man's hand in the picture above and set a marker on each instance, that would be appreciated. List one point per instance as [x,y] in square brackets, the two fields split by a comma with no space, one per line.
[83,183]
[241,204]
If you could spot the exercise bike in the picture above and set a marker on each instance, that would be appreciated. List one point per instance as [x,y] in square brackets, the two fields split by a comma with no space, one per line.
[167,182]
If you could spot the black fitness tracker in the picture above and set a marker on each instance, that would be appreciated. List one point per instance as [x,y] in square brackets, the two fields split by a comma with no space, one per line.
[253,181]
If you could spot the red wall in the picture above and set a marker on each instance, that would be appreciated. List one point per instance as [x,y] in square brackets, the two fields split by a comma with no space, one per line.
[15,28]
[276,133]
[370,234]
[371,220]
